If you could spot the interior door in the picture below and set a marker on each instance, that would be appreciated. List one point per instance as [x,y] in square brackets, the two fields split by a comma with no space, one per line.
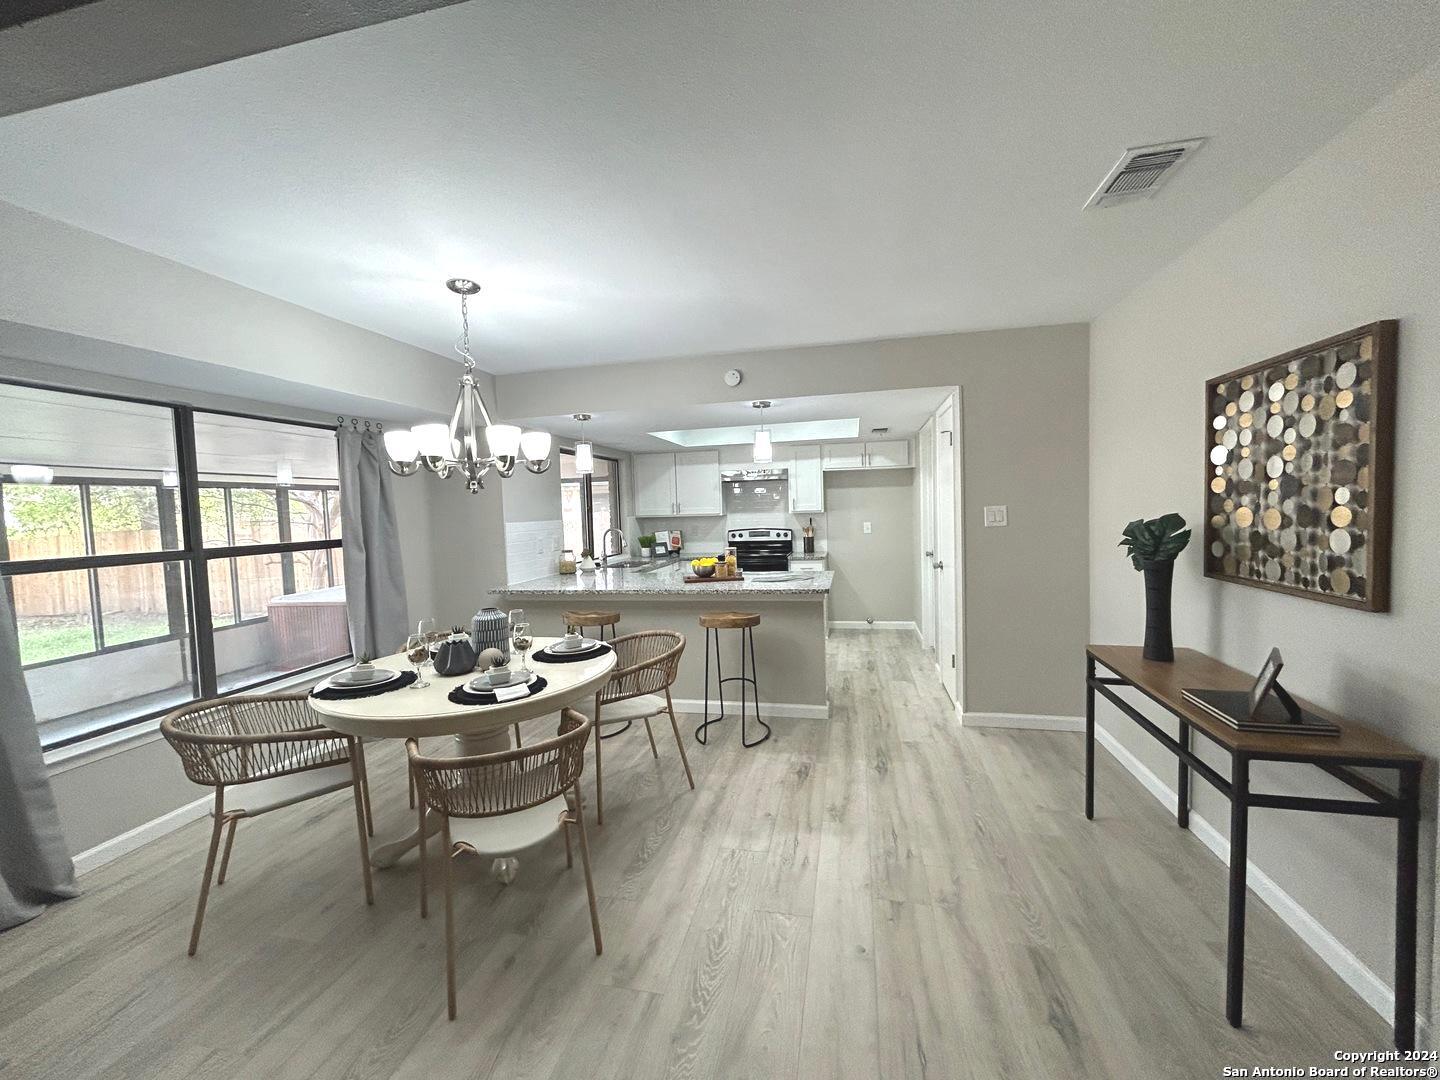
[654,485]
[947,607]
[697,483]
[925,460]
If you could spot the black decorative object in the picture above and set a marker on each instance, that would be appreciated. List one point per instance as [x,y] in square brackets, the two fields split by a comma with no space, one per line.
[456,655]
[1152,546]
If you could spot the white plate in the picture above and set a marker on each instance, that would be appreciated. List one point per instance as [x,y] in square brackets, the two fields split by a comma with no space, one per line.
[480,684]
[385,675]
[586,644]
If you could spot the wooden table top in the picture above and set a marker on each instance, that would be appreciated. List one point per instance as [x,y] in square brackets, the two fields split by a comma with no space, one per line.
[1162,683]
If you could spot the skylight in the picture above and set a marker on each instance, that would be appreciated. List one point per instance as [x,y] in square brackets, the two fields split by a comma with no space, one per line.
[795,431]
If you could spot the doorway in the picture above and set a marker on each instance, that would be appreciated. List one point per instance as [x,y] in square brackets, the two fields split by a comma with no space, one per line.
[948,604]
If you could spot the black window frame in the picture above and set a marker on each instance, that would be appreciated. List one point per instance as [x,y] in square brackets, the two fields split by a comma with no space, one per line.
[587,497]
[190,555]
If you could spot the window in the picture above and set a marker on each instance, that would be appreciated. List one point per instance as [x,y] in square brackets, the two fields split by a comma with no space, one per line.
[589,505]
[154,554]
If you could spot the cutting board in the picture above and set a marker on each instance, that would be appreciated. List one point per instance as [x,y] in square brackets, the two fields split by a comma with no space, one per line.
[695,579]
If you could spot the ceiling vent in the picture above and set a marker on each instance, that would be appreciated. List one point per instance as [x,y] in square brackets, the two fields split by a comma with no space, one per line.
[879,431]
[1140,172]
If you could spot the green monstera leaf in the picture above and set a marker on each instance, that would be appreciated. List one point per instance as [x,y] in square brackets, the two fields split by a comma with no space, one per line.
[1156,540]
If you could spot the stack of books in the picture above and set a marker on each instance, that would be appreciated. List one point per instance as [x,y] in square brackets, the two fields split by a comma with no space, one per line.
[1272,717]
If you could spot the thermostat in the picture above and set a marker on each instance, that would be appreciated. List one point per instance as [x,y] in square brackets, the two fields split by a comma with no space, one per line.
[733,377]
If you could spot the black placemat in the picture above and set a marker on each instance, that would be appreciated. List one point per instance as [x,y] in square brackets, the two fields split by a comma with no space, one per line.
[545,656]
[341,693]
[461,696]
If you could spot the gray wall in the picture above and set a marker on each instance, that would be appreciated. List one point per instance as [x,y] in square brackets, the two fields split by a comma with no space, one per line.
[874,574]
[1352,235]
[1025,427]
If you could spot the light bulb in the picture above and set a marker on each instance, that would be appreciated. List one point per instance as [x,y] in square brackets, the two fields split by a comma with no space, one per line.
[535,445]
[764,452]
[401,445]
[503,439]
[584,458]
[432,440]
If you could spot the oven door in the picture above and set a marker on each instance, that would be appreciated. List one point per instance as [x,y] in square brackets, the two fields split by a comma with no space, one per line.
[761,555]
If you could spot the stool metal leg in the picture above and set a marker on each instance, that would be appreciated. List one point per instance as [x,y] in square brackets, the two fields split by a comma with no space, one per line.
[754,691]
[702,731]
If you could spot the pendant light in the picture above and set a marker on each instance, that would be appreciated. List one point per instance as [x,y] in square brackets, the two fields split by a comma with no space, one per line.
[584,451]
[456,447]
[763,451]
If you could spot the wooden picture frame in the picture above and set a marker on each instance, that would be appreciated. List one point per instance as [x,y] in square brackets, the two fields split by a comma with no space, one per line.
[1299,470]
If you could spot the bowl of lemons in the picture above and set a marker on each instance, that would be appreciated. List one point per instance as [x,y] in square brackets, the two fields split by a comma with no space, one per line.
[703,567]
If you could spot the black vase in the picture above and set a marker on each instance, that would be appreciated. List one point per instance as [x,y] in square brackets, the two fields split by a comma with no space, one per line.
[1158,578]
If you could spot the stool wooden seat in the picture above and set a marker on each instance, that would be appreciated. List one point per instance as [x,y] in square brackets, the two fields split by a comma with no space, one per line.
[582,619]
[729,620]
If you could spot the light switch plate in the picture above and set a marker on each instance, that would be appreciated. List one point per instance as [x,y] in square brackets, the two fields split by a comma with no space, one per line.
[867,528]
[996,517]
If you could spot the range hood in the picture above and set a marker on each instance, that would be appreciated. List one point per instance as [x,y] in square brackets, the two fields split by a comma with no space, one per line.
[757,473]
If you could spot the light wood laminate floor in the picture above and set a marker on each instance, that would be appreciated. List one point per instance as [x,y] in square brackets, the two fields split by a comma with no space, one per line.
[880,895]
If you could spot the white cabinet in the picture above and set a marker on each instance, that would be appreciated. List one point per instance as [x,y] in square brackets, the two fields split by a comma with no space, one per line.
[654,485]
[844,455]
[890,454]
[887,455]
[807,479]
[697,484]
[678,485]
[808,564]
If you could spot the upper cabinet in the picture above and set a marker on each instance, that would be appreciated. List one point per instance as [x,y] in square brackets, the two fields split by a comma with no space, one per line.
[807,479]
[678,485]
[890,454]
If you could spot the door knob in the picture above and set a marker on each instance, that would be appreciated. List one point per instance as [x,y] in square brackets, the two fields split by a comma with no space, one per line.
[939,566]
[929,554]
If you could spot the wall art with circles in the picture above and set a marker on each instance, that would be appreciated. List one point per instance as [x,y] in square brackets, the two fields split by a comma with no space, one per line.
[1298,466]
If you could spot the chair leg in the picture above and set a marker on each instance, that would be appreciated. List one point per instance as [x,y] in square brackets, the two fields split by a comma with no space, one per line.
[518,741]
[599,780]
[569,856]
[209,867]
[364,786]
[229,843]
[410,776]
[653,752]
[358,785]
[447,857]
[675,727]
[424,870]
[589,881]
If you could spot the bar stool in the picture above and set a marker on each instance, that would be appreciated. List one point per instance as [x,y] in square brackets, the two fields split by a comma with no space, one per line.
[580,620]
[744,621]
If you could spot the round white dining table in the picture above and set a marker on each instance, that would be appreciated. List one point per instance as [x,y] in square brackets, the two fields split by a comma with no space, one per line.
[413,712]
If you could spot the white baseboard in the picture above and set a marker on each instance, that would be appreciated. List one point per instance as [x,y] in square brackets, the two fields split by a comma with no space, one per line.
[1373,990]
[126,842]
[789,710]
[1033,721]
[878,624]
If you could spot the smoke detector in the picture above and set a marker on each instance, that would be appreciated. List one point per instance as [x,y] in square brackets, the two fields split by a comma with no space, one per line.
[1140,172]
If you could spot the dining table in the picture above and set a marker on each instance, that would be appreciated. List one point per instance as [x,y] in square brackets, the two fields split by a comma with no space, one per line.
[426,711]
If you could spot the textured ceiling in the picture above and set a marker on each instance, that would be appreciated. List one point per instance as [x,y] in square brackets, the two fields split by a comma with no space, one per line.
[633,180]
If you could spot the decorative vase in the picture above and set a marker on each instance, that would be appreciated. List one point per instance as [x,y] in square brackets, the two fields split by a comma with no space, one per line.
[1159,576]
[490,629]
[456,656]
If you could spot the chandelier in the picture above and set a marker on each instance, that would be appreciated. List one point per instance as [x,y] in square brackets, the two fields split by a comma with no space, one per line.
[455,447]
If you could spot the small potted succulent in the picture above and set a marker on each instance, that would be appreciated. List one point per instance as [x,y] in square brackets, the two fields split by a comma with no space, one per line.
[1152,546]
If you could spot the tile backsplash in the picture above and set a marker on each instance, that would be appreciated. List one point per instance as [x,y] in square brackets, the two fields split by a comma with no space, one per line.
[746,510]
[532,549]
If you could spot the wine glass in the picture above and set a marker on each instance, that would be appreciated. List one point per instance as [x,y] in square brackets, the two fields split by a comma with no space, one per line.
[429,633]
[520,639]
[417,651]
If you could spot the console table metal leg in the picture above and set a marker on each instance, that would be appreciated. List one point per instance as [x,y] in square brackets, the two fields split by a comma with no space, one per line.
[1407,866]
[1182,787]
[1089,738]
[1239,857]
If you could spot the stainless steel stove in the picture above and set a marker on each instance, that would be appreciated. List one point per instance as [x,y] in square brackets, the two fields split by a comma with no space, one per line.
[762,549]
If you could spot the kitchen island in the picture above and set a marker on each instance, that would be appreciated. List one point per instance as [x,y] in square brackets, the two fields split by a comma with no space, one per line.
[789,642]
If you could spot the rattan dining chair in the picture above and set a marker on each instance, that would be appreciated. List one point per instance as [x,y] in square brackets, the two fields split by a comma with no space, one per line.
[274,748]
[501,803]
[646,664]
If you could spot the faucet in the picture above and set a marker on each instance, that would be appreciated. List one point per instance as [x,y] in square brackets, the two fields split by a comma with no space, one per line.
[605,553]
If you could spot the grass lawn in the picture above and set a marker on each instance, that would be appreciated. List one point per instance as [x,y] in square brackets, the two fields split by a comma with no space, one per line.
[49,637]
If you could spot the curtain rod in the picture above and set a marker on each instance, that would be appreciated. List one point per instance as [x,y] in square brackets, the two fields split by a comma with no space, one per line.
[356,423]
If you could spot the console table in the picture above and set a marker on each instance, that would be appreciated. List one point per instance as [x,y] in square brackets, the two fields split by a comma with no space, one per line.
[1356,747]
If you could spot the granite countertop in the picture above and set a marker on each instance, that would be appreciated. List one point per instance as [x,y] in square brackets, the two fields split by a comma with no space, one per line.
[669,581]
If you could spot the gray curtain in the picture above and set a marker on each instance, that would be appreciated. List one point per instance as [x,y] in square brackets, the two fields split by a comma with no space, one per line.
[35,868]
[370,539]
